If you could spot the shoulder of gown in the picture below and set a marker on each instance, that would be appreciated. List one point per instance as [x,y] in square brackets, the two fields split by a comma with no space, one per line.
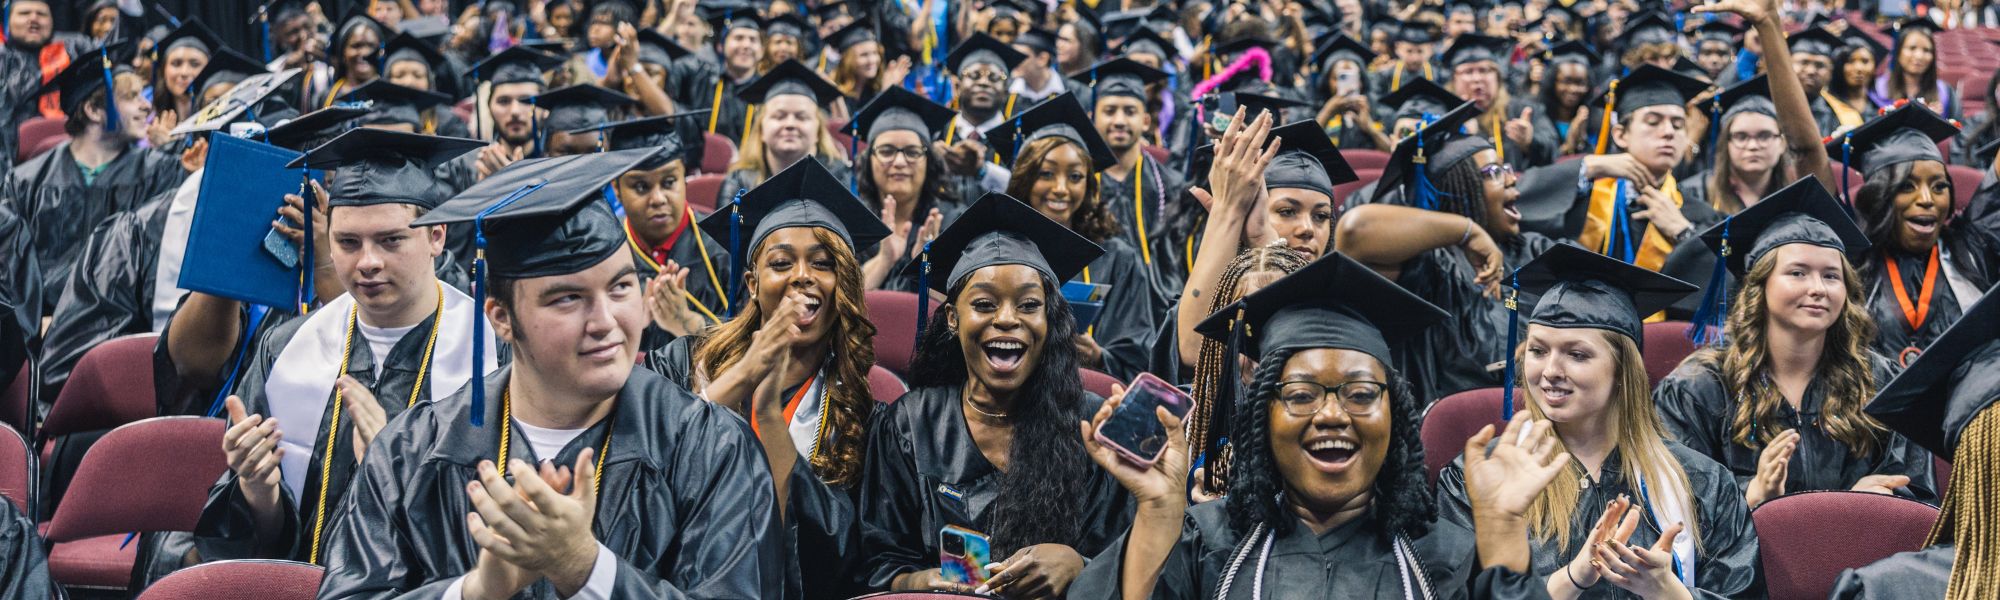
[1695,406]
[1921,574]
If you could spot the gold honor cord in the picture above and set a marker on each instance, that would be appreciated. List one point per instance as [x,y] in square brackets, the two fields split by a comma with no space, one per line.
[506,436]
[655,265]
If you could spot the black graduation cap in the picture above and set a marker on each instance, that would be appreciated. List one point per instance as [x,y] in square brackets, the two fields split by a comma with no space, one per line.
[790,77]
[831,9]
[1855,37]
[1334,302]
[1584,289]
[311,129]
[1557,10]
[408,47]
[1123,23]
[1338,45]
[803,195]
[1419,97]
[1119,77]
[1000,230]
[1910,133]
[1254,102]
[1939,393]
[357,17]
[1752,95]
[86,74]
[190,33]
[516,64]
[1690,68]
[1437,146]
[1015,8]
[1062,116]
[1306,160]
[1242,44]
[1142,41]
[657,49]
[673,135]
[983,49]
[788,24]
[1914,24]
[1650,85]
[391,103]
[555,48]
[580,106]
[1718,30]
[1571,51]
[853,34]
[1653,27]
[225,65]
[1814,41]
[1089,22]
[899,109]
[1802,213]
[1473,47]
[1415,32]
[378,166]
[727,16]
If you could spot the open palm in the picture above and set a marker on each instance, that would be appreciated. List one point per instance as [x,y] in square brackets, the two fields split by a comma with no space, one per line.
[1508,478]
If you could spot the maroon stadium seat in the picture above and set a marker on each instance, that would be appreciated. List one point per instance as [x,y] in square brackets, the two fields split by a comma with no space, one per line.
[1666,344]
[239,580]
[1342,191]
[1964,181]
[1098,382]
[701,192]
[17,470]
[463,110]
[1453,419]
[112,385]
[884,385]
[716,154]
[895,317]
[152,475]
[1365,159]
[1805,540]
[1941,469]
[1158,154]
[37,135]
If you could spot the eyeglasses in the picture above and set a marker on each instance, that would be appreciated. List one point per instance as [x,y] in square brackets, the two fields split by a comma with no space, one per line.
[1497,172]
[888,154]
[1760,138]
[1306,398]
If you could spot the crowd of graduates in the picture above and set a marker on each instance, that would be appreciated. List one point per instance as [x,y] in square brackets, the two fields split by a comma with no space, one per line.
[667,228]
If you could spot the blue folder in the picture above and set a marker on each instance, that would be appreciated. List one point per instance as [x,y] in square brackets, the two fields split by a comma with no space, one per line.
[1086,301]
[241,190]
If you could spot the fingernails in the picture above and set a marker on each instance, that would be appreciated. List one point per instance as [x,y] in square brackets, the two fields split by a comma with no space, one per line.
[982,590]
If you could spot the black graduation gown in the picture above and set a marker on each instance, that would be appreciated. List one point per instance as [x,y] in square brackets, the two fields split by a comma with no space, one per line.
[1973,254]
[24,565]
[923,471]
[51,191]
[1541,148]
[1132,308]
[20,78]
[1822,114]
[903,278]
[20,310]
[1552,204]
[1160,187]
[686,504]
[448,124]
[1983,210]
[1726,560]
[1454,356]
[112,295]
[1698,408]
[227,528]
[694,89]
[822,536]
[1921,574]
[1353,560]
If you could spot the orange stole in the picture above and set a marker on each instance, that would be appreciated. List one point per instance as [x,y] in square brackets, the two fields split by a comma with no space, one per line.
[1653,247]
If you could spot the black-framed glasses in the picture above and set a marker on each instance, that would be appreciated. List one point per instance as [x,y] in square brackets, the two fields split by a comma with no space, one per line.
[1357,398]
[1761,138]
[887,153]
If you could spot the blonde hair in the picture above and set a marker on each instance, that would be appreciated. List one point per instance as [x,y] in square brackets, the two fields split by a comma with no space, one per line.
[1968,517]
[751,157]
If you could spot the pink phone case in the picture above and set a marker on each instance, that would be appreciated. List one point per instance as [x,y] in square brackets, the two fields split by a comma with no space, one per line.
[1176,401]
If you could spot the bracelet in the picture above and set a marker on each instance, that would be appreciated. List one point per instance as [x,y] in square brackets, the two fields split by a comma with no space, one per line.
[1572,579]
[1468,233]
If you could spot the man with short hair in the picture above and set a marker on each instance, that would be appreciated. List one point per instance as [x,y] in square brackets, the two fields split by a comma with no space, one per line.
[1136,189]
[1035,79]
[980,68]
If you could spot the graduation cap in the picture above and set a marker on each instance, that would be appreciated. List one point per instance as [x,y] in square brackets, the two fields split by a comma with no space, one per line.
[1119,77]
[1557,10]
[1718,31]
[87,73]
[1439,145]
[1855,37]
[311,129]
[1753,95]
[1571,51]
[516,64]
[657,49]
[391,103]
[1125,22]
[1063,117]
[983,49]
[1907,134]
[357,17]
[378,166]
[1419,97]
[555,48]
[1473,47]
[1690,68]
[1650,85]
[788,24]
[1337,45]
[1918,24]
[1243,44]
[591,8]
[547,218]
[225,66]
[1415,32]
[1001,230]
[673,135]
[1653,27]
[724,17]
[853,34]
[1985,152]
[190,34]
[1306,160]
[831,9]
[1142,41]
[1814,41]
[1938,394]
[899,109]
[580,106]
[790,77]
[1015,8]
[802,195]
[1581,289]
[406,47]
[1802,213]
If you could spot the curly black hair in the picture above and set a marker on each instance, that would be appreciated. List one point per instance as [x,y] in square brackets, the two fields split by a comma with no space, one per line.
[1403,502]
[1048,468]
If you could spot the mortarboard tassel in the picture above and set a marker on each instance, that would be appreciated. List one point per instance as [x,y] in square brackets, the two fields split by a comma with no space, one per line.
[611,201]
[1513,341]
[1846,154]
[264,30]
[6,12]
[477,386]
[111,121]
[854,154]
[1604,127]
[735,260]
[1425,194]
[306,293]
[1715,127]
[1706,330]
[1619,243]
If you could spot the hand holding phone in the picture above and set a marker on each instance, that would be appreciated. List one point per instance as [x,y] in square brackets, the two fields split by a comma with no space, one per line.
[963,555]
[1134,431]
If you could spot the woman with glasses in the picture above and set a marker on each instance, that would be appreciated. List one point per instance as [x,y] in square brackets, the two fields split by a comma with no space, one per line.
[1750,156]
[901,179]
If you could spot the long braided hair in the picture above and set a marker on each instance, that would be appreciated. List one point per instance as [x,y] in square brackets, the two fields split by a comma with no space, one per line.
[1968,518]
[1208,368]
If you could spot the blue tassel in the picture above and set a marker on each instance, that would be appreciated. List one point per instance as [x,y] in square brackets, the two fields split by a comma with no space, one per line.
[736,251]
[1513,341]
[611,201]
[1846,154]
[1424,194]
[923,293]
[1715,129]
[264,28]
[1620,239]
[478,386]
[111,121]
[1706,330]
[306,292]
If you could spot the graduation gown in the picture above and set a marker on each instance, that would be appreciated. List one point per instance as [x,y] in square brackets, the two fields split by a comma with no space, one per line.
[1921,574]
[63,209]
[686,504]
[693,250]
[903,278]
[924,471]
[1158,187]
[1454,356]
[695,80]
[24,566]
[112,294]
[1132,308]
[1556,202]
[20,309]
[1967,267]
[20,78]
[1983,211]
[1541,148]
[1726,561]
[1698,409]
[1823,115]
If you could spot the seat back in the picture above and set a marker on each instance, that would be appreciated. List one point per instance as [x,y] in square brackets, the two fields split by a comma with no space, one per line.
[895,317]
[1365,159]
[702,190]
[1667,344]
[1158,153]
[239,580]
[1097,382]
[884,385]
[15,401]
[1805,540]
[919,596]
[1341,192]
[1453,419]
[17,470]
[152,475]
[1964,181]
[37,135]
[716,153]
[111,386]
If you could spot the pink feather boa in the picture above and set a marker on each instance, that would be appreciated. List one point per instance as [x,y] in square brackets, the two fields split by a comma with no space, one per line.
[1254,56]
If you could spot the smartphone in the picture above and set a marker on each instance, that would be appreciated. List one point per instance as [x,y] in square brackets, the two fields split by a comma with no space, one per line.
[281,247]
[1225,109]
[1133,430]
[1346,82]
[963,555]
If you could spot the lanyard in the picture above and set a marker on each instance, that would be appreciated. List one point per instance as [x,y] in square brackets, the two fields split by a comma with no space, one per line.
[700,246]
[1919,312]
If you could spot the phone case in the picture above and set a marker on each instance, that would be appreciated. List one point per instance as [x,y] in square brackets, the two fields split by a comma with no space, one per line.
[969,566]
[1176,401]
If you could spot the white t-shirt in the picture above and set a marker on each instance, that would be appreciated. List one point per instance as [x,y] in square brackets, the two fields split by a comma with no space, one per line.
[604,571]
[381,340]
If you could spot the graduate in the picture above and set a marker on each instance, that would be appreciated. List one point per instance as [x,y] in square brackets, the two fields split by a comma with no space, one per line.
[355,54]
[1579,369]
[225,69]
[1411,45]
[1940,402]
[986,438]
[1055,153]
[33,53]
[862,71]
[1926,267]
[573,115]
[1812,58]
[1624,205]
[1564,93]
[99,172]
[901,177]
[1340,64]
[417,64]
[1120,111]
[1478,67]
[979,68]
[180,56]
[659,223]
[312,377]
[718,85]
[784,39]
[1749,156]
[1036,78]
[787,125]
[634,487]
[506,115]
[1449,244]
[794,362]
[1715,43]
[1780,405]
[397,108]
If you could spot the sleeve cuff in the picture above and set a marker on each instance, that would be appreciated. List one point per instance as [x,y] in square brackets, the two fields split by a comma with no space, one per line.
[456,591]
[603,576]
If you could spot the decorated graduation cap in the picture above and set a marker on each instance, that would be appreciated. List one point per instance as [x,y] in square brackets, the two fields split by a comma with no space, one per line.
[790,77]
[803,195]
[1419,97]
[1937,395]
[514,65]
[1718,31]
[1439,145]
[859,32]
[409,48]
[983,49]
[1816,40]
[90,72]
[391,103]
[1802,213]
[899,109]
[313,128]
[1906,134]
[1001,230]
[1119,77]
[225,66]
[377,166]
[1060,117]
[1473,47]
[657,49]
[675,136]
[580,106]
[539,217]
[1653,27]
[1337,45]
[1306,160]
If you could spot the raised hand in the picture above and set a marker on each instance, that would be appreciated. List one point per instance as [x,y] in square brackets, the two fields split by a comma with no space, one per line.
[1508,478]
[1521,129]
[363,410]
[667,301]
[1241,155]
[250,446]
[1643,571]
[1773,468]
[1752,11]
[1658,209]
[1483,253]
[532,525]
[1162,483]
[1618,166]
